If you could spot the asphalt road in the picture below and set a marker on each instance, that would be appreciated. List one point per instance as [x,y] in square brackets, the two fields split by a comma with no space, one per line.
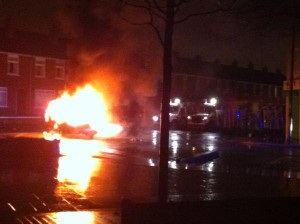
[74,174]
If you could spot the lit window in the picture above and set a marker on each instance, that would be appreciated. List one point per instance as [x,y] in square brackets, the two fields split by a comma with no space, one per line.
[60,69]
[13,64]
[40,67]
[3,96]
[42,97]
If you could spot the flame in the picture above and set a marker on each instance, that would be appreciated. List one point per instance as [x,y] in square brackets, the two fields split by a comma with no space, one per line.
[85,107]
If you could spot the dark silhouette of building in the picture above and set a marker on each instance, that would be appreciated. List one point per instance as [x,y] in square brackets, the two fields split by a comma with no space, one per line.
[250,101]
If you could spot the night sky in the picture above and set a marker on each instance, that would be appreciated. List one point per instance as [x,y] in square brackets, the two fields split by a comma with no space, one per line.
[210,37]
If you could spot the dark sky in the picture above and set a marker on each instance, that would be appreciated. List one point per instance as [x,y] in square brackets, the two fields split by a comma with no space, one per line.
[33,15]
[224,37]
[261,51]
[211,38]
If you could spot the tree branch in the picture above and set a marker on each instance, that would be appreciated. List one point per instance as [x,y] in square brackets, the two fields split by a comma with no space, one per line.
[220,9]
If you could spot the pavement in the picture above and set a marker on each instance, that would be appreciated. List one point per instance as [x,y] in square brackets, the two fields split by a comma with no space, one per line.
[280,210]
[97,216]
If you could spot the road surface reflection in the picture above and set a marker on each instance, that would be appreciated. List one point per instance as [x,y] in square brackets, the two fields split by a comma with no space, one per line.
[86,173]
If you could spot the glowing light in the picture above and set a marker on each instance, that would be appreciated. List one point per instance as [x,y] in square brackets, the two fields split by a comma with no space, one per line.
[77,166]
[212,102]
[291,126]
[175,102]
[155,118]
[12,207]
[210,167]
[79,148]
[210,148]
[85,107]
[73,217]
[76,171]
[154,137]
[151,163]
[174,145]
[173,164]
[174,137]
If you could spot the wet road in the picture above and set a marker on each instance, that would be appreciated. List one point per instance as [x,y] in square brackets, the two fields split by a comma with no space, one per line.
[40,176]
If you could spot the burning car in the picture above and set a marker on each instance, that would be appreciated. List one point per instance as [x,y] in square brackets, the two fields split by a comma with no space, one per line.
[81,114]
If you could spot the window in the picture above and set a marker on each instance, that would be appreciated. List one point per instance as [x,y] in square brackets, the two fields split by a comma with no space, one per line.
[42,97]
[13,64]
[3,96]
[40,67]
[60,69]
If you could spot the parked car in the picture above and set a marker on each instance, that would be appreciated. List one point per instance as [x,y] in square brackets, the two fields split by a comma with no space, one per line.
[198,121]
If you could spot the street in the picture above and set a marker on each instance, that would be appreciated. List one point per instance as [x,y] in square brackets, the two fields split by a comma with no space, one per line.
[99,173]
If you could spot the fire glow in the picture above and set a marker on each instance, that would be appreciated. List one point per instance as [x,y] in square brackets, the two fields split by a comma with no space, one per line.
[85,107]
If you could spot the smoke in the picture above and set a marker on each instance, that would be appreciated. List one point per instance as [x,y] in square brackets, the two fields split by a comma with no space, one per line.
[121,59]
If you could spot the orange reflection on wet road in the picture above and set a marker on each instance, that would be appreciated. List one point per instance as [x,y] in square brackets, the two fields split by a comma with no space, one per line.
[77,165]
[81,148]
[75,172]
[73,217]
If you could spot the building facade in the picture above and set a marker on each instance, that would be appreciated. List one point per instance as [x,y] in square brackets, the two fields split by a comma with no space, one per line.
[250,101]
[32,72]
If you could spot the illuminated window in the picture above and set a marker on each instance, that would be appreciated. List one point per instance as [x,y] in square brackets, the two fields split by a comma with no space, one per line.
[40,67]
[3,96]
[13,64]
[60,69]
[42,97]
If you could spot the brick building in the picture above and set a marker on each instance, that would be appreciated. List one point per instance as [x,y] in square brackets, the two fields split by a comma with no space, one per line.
[32,71]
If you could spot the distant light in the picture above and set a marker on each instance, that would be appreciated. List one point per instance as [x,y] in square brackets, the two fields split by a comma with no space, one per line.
[212,102]
[291,126]
[155,118]
[151,163]
[238,115]
[175,102]
[210,148]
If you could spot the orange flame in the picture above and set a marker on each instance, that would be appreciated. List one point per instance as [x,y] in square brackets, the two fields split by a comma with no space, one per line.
[85,107]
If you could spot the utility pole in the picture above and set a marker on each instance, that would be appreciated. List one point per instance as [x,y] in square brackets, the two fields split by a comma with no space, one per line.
[290,127]
[165,103]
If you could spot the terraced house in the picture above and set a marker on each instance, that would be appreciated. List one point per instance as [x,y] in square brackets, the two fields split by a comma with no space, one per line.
[32,72]
[251,101]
